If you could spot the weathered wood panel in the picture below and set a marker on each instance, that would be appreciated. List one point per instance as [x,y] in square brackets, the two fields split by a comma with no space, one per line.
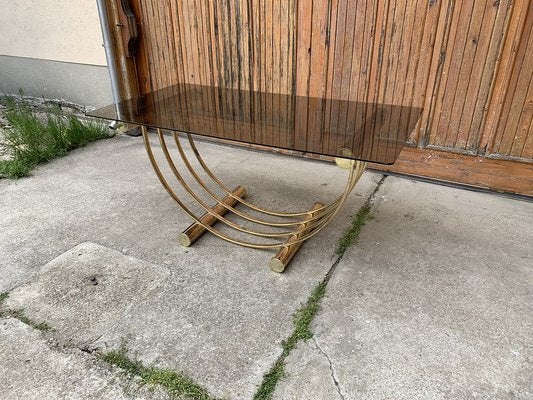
[469,64]
[479,172]
[515,109]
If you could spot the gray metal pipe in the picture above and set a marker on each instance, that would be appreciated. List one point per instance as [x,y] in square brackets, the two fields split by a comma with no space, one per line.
[108,46]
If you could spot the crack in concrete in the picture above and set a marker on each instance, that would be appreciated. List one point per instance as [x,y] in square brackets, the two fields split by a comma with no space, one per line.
[326,280]
[332,370]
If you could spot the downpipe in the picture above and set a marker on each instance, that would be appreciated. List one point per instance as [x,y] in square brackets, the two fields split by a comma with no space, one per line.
[108,47]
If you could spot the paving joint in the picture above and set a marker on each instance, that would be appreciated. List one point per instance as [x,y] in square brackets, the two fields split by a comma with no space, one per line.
[271,378]
[19,314]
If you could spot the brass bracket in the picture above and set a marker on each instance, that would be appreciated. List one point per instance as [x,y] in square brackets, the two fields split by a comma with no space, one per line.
[283,257]
[193,232]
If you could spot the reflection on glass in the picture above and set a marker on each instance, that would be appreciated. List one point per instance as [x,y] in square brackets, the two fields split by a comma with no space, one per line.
[369,131]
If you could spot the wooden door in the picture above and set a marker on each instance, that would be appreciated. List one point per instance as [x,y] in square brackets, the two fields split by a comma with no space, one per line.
[468,63]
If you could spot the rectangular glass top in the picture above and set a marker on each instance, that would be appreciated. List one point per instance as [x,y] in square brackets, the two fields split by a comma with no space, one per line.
[350,129]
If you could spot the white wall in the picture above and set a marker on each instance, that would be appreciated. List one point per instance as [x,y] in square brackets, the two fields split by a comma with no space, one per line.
[59,30]
[53,49]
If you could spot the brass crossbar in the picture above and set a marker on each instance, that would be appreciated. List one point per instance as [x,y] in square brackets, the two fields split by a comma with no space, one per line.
[305,224]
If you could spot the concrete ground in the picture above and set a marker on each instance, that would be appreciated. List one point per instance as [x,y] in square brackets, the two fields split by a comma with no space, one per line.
[433,302]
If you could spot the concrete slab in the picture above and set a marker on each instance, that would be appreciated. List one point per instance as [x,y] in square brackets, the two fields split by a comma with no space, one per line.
[434,302]
[31,369]
[311,369]
[221,315]
[90,285]
[107,193]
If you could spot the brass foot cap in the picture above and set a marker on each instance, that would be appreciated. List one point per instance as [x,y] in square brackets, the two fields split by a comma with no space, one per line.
[276,265]
[184,240]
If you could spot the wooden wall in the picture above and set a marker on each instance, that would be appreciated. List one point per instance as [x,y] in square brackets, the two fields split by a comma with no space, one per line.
[468,63]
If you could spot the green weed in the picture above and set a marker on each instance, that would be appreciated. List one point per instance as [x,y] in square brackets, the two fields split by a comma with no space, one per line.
[31,138]
[301,331]
[352,234]
[176,384]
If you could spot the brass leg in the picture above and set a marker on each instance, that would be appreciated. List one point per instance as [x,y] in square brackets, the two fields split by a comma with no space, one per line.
[285,254]
[193,232]
[314,220]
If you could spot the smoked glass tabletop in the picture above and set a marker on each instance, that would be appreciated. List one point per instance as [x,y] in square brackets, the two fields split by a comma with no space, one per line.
[338,128]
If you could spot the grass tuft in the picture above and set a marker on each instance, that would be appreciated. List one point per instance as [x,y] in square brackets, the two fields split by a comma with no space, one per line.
[304,315]
[32,139]
[19,314]
[175,383]
[3,297]
[302,320]
[352,234]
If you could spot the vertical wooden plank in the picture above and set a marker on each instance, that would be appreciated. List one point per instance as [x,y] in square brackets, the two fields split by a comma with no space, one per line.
[178,49]
[516,99]
[199,99]
[524,122]
[358,50]
[481,58]
[230,13]
[396,49]
[276,73]
[336,143]
[225,65]
[188,58]
[416,64]
[447,93]
[488,76]
[173,55]
[244,56]
[204,42]
[162,46]
[441,62]
[408,56]
[264,39]
[374,88]
[357,61]
[346,74]
[255,55]
[503,75]
[284,44]
[463,80]
[141,59]
[318,69]
[427,78]
[527,151]
[147,36]
[386,62]
[235,62]
[303,57]
[213,48]
[329,79]
[362,84]
[269,68]
[150,40]
[291,71]
[515,89]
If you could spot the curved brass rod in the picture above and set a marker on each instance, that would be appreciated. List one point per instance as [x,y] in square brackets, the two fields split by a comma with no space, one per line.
[324,215]
[351,182]
[238,227]
[233,209]
[203,204]
[240,200]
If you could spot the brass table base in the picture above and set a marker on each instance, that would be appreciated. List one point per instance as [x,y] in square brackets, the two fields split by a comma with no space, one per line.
[285,254]
[294,227]
[193,232]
